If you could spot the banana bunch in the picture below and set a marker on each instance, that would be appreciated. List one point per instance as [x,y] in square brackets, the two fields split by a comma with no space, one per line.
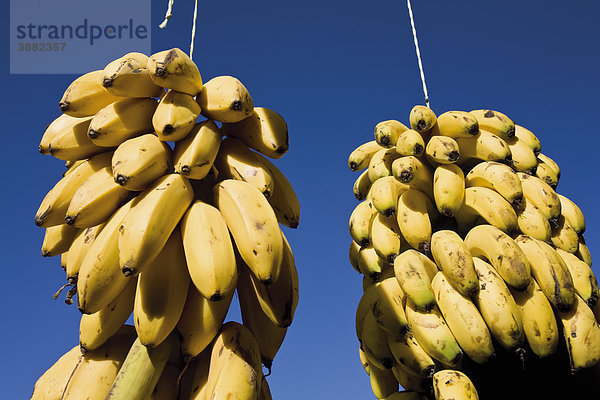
[472,262]
[170,204]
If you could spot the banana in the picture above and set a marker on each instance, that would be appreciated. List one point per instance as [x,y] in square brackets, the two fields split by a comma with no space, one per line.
[422,118]
[387,305]
[264,131]
[98,369]
[523,158]
[100,278]
[411,382]
[497,307]
[236,161]
[362,186]
[572,213]
[582,334]
[433,334]
[532,222]
[153,216]
[495,122]
[225,99]
[140,161]
[383,382]
[384,194]
[456,124]
[52,383]
[486,146]
[497,176]
[268,335]
[584,281]
[381,163]
[542,158]
[122,120]
[502,252]
[363,360]
[66,139]
[489,205]
[194,156]
[442,150]
[541,195]
[200,322]
[173,69]
[564,236]
[364,307]
[360,222]
[549,271]
[353,255]
[410,143]
[370,264]
[71,165]
[374,343]
[414,214]
[448,188]
[53,208]
[453,258]
[253,225]
[360,157]
[95,200]
[193,381]
[175,116]
[450,384]
[283,200]
[409,353]
[97,328]
[414,273]
[539,324]
[161,293]
[167,387]
[58,239]
[385,237]
[235,367]
[78,250]
[128,76]
[388,132]
[529,138]
[412,170]
[85,96]
[208,251]
[546,173]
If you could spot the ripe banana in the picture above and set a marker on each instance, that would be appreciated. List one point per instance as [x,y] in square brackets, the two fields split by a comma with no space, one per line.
[362,186]
[410,143]
[388,132]
[532,222]
[360,157]
[175,116]
[453,258]
[128,76]
[546,173]
[450,384]
[486,146]
[353,255]
[208,251]
[448,188]
[385,237]
[488,204]
[79,249]
[409,353]
[384,194]
[523,158]
[153,216]
[370,264]
[383,382]
[283,200]
[422,118]
[564,236]
[225,99]
[584,281]
[51,385]
[374,343]
[495,122]
[85,96]
[456,124]
[572,214]
[173,69]
[542,158]
[442,150]
[58,239]
[411,382]
[161,293]
[66,139]
[387,305]
[194,155]
[414,214]
[360,222]
[582,334]
[414,273]
[412,170]
[140,161]
[529,138]
[497,176]
[502,252]
[264,131]
[381,163]
[583,253]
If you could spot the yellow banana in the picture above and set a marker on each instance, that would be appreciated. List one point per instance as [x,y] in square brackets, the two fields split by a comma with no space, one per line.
[264,131]
[456,124]
[360,157]
[584,281]
[225,99]
[497,176]
[364,307]
[414,214]
[549,271]
[532,221]
[450,384]
[583,253]
[387,305]
[161,293]
[194,156]
[442,150]
[360,222]
[523,158]
[175,116]
[353,255]
[283,199]
[497,307]
[422,118]
[529,138]
[381,163]
[58,239]
[582,335]
[153,216]
[488,204]
[95,200]
[383,382]
[453,258]
[542,158]
[128,76]
[374,343]
[370,264]
[173,69]
[363,360]
[564,236]
[140,161]
[495,122]
[208,251]
[53,208]
[78,250]
[362,186]
[546,173]
[253,225]
[85,96]
[384,194]
[413,171]
[409,353]
[388,132]
[385,237]
[66,139]
[71,165]
[572,214]
[414,273]
[486,146]
[502,252]
[97,328]
[410,143]
[51,385]
[448,188]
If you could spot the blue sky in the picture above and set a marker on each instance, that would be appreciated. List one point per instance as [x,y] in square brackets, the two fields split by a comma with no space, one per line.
[332,69]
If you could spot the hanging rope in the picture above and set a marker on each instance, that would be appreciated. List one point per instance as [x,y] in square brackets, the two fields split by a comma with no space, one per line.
[414,31]
[194,28]
[167,15]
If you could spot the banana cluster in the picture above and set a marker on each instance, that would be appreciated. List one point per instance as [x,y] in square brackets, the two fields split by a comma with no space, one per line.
[470,258]
[165,214]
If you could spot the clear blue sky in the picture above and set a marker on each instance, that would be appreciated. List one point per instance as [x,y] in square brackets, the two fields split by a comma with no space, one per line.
[333,69]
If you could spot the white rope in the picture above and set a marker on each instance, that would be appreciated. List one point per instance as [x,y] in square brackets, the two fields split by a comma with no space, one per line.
[167,15]
[414,31]
[194,28]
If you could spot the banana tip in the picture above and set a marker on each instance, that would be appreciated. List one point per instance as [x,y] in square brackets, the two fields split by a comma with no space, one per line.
[70,219]
[353,165]
[64,106]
